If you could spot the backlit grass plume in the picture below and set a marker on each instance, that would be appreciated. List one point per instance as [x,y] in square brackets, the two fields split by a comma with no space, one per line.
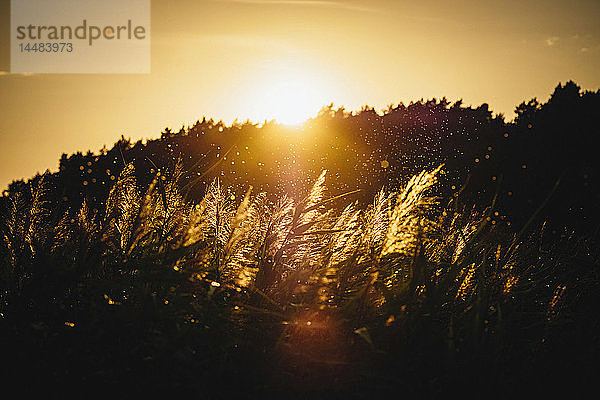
[307,280]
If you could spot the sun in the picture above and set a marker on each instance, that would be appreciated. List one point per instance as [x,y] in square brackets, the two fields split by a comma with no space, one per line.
[290,102]
[288,97]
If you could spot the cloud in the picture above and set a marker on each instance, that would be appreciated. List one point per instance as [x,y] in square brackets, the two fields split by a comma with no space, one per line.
[589,49]
[551,41]
[310,3]
[8,73]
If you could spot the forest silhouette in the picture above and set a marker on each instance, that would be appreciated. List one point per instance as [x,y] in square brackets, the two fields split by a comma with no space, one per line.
[426,249]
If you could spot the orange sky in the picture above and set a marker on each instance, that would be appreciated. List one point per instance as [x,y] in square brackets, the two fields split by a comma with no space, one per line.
[258,59]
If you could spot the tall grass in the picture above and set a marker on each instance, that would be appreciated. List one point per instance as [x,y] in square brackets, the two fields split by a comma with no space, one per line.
[309,281]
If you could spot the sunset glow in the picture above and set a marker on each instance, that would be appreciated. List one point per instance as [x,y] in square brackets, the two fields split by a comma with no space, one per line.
[289,97]
[284,60]
[313,199]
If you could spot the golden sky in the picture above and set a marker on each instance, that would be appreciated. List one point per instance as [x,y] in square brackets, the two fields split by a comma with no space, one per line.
[259,59]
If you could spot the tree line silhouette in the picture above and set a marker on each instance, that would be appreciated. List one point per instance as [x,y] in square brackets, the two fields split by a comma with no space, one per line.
[521,160]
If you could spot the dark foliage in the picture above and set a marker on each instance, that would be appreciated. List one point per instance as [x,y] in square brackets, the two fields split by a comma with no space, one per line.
[152,269]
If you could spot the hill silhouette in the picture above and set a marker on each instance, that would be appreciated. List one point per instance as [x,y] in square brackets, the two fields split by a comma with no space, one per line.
[521,160]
